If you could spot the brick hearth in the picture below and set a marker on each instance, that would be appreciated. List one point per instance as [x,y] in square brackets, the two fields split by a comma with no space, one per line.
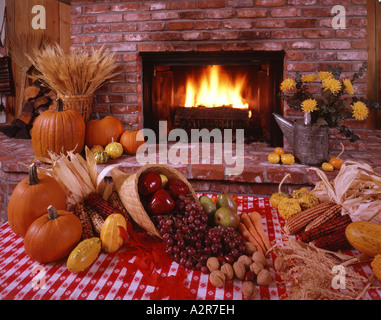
[259,177]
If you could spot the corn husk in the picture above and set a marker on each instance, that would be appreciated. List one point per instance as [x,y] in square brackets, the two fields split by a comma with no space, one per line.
[309,272]
[357,187]
[78,177]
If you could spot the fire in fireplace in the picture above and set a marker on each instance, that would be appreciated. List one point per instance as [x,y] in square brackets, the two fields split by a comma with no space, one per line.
[226,90]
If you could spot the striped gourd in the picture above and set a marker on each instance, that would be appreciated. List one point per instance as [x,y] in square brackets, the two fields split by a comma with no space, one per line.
[111,237]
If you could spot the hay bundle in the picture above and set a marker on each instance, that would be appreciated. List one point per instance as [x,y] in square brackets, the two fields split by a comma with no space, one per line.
[74,73]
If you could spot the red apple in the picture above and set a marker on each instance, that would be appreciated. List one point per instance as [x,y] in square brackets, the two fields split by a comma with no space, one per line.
[161,203]
[149,183]
[177,187]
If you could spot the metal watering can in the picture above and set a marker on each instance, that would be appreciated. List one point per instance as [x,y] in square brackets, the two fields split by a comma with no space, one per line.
[310,143]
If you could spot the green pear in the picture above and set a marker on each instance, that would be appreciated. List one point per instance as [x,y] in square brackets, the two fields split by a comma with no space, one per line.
[226,217]
[208,205]
[224,199]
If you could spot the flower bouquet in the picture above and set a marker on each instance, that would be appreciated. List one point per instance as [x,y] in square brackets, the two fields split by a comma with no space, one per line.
[330,106]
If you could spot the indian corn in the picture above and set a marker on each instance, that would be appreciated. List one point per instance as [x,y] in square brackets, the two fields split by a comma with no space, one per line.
[331,213]
[87,229]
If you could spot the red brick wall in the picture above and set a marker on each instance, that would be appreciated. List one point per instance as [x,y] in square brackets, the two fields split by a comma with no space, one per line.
[300,27]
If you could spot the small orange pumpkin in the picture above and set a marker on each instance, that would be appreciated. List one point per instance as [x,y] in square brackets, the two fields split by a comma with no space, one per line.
[58,131]
[53,236]
[337,162]
[110,234]
[31,197]
[129,140]
[103,131]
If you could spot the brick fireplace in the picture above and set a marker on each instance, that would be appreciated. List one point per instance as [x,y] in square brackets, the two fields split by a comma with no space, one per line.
[299,28]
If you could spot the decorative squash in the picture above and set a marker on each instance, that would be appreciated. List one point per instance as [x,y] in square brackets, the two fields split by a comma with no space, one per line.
[336,162]
[58,131]
[279,151]
[327,166]
[52,236]
[97,148]
[307,199]
[276,197]
[364,236]
[129,140]
[376,266]
[287,158]
[114,150]
[84,255]
[287,208]
[273,158]
[110,234]
[101,156]
[103,131]
[31,197]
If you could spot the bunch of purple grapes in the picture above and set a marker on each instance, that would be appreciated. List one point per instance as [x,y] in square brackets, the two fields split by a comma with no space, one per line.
[191,240]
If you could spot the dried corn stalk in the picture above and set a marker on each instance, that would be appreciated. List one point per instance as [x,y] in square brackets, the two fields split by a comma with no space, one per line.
[79,177]
[310,273]
[356,187]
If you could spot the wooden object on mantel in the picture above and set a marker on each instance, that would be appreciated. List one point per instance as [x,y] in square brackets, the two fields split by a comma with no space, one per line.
[224,117]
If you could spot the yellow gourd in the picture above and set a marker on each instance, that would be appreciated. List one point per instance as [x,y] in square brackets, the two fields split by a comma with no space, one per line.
[111,237]
[273,158]
[364,236]
[306,198]
[287,208]
[114,150]
[287,158]
[276,197]
[279,151]
[84,255]
[327,166]
[101,156]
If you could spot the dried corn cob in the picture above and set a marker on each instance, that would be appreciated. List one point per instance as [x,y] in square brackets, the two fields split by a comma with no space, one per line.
[96,219]
[117,204]
[95,201]
[331,226]
[300,220]
[333,242]
[331,213]
[80,212]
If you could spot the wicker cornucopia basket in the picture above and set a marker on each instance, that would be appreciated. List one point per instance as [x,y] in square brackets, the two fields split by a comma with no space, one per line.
[127,188]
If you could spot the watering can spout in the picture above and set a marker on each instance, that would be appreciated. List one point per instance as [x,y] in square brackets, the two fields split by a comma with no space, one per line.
[287,128]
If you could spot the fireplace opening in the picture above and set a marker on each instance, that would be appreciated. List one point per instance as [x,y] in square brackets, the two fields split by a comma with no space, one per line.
[226,90]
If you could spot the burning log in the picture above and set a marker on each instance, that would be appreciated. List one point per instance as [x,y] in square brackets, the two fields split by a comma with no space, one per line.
[224,117]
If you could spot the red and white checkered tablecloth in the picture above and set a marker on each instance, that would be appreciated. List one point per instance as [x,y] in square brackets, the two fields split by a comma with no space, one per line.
[21,278]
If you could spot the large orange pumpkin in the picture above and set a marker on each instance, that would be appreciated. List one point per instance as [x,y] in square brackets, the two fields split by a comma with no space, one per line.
[58,131]
[103,131]
[129,140]
[53,236]
[31,197]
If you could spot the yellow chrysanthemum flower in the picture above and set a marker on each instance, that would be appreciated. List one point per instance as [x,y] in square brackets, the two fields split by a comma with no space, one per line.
[309,105]
[323,75]
[309,77]
[331,84]
[348,85]
[287,84]
[360,110]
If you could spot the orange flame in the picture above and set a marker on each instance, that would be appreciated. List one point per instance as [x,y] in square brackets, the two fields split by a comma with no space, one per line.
[215,89]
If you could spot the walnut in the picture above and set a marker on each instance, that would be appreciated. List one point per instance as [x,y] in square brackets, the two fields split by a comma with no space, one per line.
[256,267]
[245,260]
[249,290]
[280,264]
[213,264]
[264,277]
[227,269]
[217,278]
[239,270]
[259,257]
[250,248]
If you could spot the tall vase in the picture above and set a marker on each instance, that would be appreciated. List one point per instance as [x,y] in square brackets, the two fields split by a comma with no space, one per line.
[310,142]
